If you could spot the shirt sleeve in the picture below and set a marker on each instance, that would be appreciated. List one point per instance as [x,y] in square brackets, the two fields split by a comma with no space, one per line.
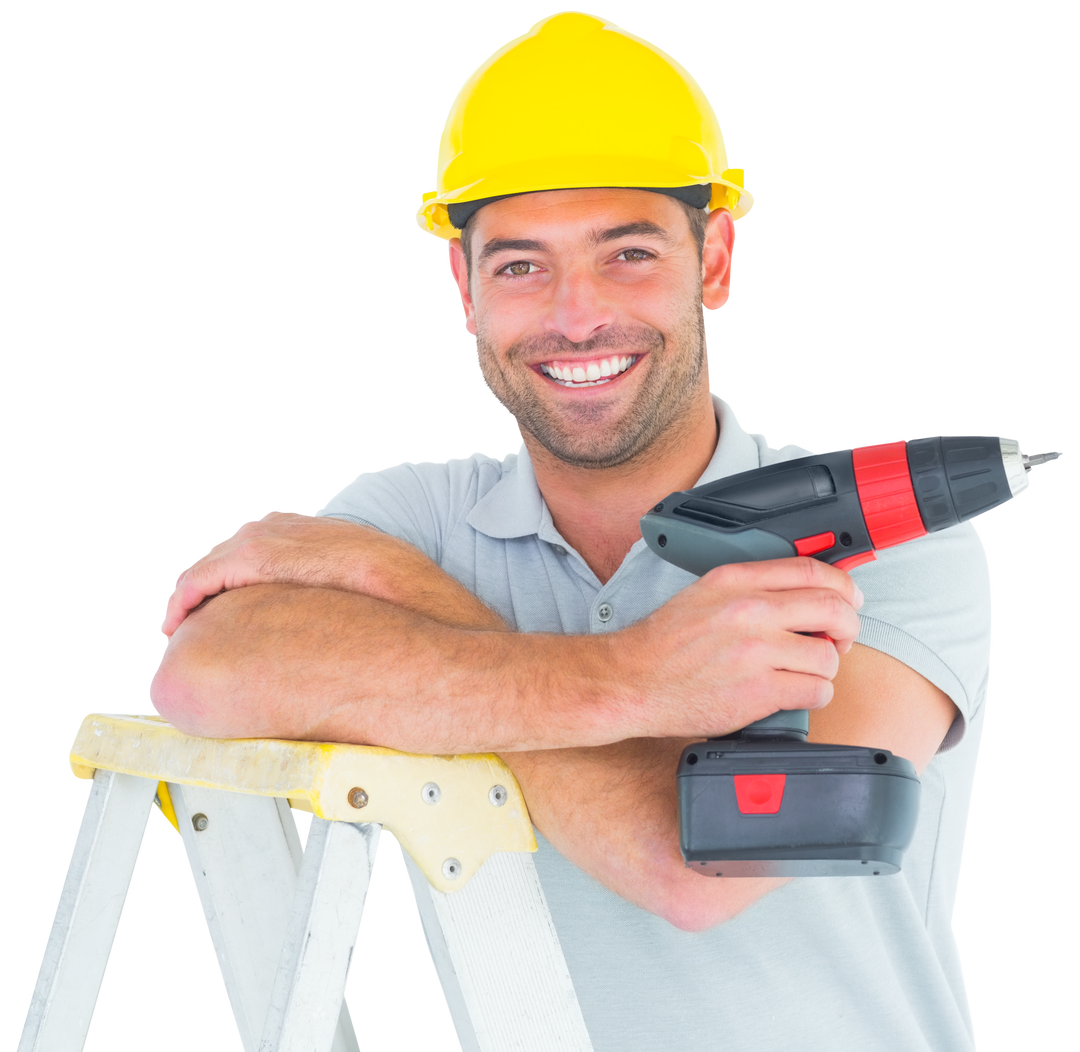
[409,501]
[928,605]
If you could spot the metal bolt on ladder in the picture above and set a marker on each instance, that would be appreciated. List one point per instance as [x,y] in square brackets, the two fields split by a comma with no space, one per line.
[284,920]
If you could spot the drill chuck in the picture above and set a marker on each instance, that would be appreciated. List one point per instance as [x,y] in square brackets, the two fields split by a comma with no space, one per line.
[955,479]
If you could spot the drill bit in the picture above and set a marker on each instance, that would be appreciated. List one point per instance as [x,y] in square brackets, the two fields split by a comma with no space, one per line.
[1038,458]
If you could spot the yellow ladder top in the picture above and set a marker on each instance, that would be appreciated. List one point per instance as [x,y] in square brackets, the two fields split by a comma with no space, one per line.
[463,808]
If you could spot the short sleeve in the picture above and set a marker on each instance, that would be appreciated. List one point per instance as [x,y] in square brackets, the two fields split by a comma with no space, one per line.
[928,605]
[423,504]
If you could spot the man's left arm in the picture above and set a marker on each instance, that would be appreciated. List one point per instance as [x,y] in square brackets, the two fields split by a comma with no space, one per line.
[617,821]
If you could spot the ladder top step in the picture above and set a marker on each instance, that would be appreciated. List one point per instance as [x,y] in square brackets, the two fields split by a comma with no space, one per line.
[442,809]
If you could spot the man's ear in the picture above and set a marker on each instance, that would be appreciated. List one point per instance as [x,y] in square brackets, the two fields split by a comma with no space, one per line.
[716,258]
[461,276]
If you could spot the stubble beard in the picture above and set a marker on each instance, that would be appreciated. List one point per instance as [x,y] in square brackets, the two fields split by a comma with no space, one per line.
[584,433]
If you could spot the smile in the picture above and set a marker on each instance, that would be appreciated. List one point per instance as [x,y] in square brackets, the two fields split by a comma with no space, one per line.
[591,373]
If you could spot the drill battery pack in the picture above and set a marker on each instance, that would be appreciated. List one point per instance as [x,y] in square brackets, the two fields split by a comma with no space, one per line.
[787,808]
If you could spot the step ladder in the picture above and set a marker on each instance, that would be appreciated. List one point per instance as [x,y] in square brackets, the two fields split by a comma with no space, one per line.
[284,920]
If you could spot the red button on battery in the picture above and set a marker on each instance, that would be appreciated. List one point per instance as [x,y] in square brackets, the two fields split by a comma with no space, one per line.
[818,543]
[759,794]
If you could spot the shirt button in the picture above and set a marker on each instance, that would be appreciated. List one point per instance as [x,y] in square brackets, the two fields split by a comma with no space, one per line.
[560,549]
[604,612]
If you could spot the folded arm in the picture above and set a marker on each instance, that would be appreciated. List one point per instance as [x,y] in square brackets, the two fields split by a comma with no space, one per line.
[377,645]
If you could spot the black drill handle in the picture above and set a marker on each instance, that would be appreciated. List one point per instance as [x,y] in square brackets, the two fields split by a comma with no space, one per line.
[793,724]
[769,513]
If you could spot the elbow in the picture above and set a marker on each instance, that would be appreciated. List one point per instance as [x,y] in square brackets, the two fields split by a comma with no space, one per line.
[693,906]
[695,903]
[188,691]
[692,916]
[212,682]
[176,696]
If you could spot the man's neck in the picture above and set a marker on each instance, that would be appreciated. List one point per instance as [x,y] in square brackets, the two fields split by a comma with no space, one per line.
[597,509]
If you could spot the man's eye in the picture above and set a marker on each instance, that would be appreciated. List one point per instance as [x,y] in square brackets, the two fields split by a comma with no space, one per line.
[634,255]
[519,269]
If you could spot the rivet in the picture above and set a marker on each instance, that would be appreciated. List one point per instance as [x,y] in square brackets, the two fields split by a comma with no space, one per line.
[200,822]
[431,793]
[451,869]
[497,795]
[358,798]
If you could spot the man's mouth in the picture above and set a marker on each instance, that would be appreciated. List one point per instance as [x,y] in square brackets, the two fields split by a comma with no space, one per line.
[589,373]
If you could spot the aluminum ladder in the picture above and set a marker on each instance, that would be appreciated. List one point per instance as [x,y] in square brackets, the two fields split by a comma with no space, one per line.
[284,920]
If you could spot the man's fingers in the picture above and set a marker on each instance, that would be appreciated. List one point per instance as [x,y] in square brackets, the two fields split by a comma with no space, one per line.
[781,575]
[189,593]
[807,611]
[813,610]
[791,690]
[218,569]
[280,547]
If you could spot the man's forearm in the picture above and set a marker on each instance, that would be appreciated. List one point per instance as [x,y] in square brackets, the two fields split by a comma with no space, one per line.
[320,628]
[283,661]
[266,661]
[611,811]
[330,665]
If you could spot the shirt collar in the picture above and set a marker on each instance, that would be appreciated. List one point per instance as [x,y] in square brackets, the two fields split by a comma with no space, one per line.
[514,506]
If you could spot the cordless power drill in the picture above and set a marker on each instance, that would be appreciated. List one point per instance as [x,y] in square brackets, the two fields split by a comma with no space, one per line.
[764,801]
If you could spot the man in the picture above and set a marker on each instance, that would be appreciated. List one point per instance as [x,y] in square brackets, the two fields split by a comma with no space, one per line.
[512,606]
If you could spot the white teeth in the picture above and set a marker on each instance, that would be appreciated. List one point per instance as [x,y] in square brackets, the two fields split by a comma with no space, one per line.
[590,375]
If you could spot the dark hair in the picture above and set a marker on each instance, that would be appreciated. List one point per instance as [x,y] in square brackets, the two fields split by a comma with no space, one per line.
[696,217]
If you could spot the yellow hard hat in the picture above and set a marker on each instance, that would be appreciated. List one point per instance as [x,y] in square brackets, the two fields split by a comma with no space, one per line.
[579,102]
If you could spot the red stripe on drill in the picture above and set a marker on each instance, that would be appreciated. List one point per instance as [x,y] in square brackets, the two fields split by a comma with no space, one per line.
[885,493]
[851,561]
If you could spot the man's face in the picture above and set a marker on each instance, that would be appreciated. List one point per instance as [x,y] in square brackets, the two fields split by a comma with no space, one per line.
[586,305]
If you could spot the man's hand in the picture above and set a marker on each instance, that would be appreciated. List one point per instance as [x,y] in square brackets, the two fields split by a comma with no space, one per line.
[320,553]
[278,549]
[295,548]
[729,649]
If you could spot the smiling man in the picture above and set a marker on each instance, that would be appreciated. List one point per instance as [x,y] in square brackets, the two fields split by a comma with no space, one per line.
[623,304]
[590,332]
[512,606]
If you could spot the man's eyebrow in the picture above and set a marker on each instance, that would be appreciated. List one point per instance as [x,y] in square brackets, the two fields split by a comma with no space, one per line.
[508,244]
[640,228]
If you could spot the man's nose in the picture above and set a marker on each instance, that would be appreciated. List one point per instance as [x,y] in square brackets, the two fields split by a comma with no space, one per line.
[579,308]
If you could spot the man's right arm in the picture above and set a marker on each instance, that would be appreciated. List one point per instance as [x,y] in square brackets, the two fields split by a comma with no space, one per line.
[325,663]
[288,661]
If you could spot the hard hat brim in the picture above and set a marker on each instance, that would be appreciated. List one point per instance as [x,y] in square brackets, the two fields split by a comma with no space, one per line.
[434,217]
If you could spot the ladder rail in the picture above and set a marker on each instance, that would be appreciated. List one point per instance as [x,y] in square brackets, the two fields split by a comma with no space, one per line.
[499,960]
[245,856]
[92,899]
[309,988]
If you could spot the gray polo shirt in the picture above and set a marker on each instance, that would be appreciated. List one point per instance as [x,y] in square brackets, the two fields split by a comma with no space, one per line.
[826,964]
